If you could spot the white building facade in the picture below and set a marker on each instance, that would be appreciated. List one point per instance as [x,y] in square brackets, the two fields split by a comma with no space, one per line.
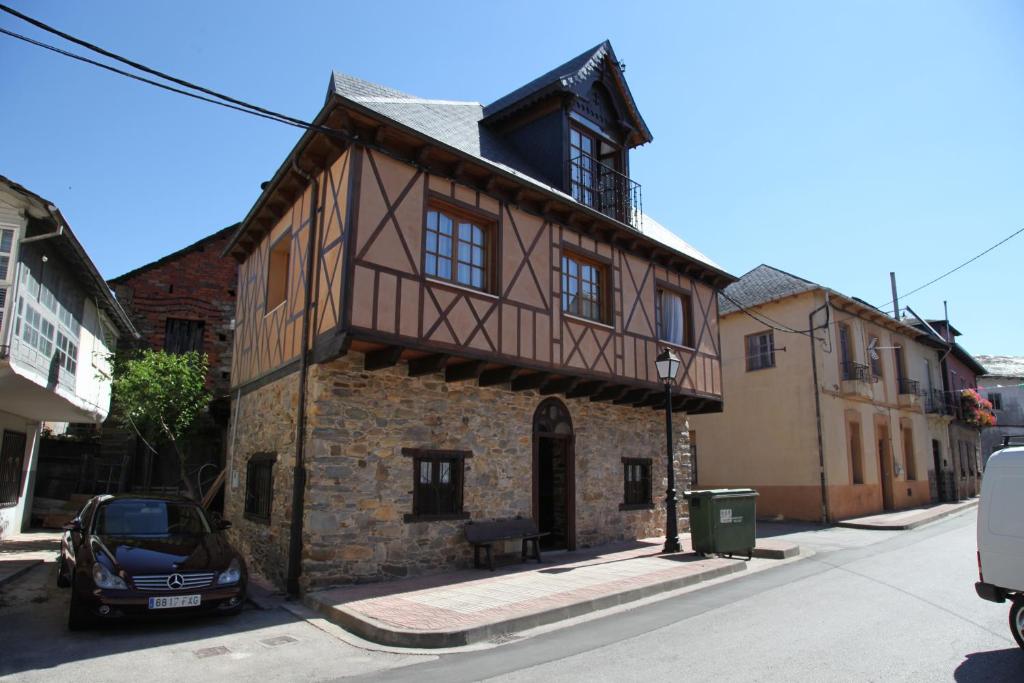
[59,324]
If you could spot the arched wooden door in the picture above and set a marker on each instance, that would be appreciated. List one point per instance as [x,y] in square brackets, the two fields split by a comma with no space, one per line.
[554,474]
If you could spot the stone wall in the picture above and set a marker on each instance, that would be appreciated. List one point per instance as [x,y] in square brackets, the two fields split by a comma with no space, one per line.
[359,484]
[263,421]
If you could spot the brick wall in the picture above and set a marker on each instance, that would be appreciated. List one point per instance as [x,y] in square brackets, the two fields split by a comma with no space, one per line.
[195,283]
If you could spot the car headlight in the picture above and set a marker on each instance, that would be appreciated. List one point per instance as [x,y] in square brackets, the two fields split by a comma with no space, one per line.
[233,574]
[104,579]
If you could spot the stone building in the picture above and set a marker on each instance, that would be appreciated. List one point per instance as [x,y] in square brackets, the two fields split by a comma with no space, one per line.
[450,312]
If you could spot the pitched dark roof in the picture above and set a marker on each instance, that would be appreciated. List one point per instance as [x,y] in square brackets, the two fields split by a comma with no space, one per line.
[761,285]
[458,124]
[223,232]
[562,78]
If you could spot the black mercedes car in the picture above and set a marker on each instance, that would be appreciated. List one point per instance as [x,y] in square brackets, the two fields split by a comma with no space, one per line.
[135,555]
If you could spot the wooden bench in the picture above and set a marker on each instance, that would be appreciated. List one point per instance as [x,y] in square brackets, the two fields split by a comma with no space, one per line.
[486,534]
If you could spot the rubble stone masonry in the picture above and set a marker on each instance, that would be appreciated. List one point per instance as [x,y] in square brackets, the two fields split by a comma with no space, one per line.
[359,484]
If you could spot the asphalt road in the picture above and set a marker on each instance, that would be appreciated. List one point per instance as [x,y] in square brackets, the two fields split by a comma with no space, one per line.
[869,606]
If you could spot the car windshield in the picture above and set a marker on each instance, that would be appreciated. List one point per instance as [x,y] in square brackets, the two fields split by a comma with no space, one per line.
[149,518]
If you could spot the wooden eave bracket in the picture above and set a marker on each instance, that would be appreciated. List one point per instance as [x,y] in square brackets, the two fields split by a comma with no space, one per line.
[382,358]
[533,381]
[427,365]
[464,371]
[559,385]
[502,375]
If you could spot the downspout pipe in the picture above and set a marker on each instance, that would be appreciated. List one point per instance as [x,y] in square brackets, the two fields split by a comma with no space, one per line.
[299,471]
[817,404]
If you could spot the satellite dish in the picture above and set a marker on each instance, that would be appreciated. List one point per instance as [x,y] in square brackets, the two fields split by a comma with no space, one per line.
[873,348]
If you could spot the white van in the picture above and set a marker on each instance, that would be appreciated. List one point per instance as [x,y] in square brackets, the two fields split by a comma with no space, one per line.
[1001,535]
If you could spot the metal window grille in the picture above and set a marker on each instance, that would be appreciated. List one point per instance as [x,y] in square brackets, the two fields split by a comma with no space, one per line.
[12,460]
[637,474]
[438,485]
[259,487]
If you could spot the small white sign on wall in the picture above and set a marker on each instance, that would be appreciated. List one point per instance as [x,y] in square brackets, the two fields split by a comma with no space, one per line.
[725,516]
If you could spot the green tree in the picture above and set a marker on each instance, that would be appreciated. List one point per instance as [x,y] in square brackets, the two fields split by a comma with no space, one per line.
[159,395]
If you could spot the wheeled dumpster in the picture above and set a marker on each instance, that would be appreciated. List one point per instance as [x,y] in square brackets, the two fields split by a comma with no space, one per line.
[722,521]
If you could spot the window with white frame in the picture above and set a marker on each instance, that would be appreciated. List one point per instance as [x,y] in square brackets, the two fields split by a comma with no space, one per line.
[34,329]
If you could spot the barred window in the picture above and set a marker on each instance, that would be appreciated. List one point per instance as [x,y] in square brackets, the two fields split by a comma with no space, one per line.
[636,473]
[259,487]
[437,483]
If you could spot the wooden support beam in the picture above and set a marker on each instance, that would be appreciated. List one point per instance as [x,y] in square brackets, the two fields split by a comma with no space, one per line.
[380,135]
[558,385]
[386,357]
[651,399]
[491,184]
[503,375]
[423,155]
[459,170]
[631,397]
[518,196]
[427,365]
[463,371]
[610,393]
[529,381]
[584,389]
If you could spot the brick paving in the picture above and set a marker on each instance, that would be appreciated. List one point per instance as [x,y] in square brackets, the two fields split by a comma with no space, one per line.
[473,604]
[908,519]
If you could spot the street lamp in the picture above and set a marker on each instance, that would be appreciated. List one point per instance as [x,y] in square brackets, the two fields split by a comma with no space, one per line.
[667,363]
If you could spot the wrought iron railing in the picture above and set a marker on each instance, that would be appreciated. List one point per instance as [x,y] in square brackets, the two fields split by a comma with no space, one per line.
[856,371]
[939,402]
[605,189]
[909,386]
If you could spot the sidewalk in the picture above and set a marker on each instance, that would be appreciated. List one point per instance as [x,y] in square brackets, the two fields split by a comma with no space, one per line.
[472,605]
[908,519]
[21,552]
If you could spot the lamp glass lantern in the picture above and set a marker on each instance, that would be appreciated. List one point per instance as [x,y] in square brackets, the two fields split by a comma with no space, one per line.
[667,363]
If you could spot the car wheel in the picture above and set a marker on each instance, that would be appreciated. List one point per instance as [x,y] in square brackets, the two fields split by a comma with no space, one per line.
[1017,621]
[79,617]
[62,573]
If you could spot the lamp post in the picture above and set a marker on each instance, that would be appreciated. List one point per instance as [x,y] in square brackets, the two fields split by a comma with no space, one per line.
[667,363]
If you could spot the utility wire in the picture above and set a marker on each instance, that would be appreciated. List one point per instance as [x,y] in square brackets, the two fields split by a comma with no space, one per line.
[154,72]
[136,77]
[769,322]
[950,272]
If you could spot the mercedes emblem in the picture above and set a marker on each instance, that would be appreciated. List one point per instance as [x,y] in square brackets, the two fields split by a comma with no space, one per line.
[175,581]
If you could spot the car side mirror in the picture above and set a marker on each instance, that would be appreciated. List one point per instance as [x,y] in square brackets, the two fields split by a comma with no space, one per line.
[73,525]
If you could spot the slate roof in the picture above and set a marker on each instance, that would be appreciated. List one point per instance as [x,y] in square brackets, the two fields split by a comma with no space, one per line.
[457,124]
[761,285]
[1003,366]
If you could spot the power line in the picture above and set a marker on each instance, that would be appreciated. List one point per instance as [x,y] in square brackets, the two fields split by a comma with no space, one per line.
[780,327]
[136,77]
[950,272]
[154,72]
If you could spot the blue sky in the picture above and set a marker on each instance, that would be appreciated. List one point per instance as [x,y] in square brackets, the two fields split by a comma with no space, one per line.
[838,141]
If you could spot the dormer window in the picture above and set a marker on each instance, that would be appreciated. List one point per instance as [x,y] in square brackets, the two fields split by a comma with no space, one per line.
[596,179]
[582,165]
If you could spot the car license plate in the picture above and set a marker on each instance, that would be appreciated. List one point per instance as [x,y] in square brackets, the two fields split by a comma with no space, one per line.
[170,601]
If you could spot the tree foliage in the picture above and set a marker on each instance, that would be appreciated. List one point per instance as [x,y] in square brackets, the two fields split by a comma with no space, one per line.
[159,395]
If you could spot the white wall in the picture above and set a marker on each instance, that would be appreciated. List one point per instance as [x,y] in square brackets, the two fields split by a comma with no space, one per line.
[13,518]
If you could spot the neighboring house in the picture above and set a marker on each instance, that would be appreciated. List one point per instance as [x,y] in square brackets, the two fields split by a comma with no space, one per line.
[960,371]
[58,324]
[842,426]
[1003,386]
[451,312]
[184,301]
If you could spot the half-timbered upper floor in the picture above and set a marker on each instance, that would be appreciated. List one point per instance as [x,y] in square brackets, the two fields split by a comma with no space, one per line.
[424,232]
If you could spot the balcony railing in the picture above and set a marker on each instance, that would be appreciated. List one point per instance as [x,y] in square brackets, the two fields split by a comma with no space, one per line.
[602,187]
[856,371]
[938,402]
[909,386]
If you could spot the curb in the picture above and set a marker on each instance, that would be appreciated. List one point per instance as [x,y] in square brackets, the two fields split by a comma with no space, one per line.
[909,525]
[791,550]
[385,634]
[29,564]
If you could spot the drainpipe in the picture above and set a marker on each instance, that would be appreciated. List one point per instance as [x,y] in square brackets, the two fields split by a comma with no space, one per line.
[299,472]
[817,405]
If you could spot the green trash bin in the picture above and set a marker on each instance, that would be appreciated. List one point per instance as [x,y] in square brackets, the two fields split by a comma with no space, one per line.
[722,521]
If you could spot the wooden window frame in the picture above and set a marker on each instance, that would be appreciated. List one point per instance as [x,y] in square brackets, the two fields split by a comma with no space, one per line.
[255,462]
[751,367]
[457,461]
[275,247]
[488,226]
[909,462]
[604,299]
[688,322]
[195,326]
[645,485]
